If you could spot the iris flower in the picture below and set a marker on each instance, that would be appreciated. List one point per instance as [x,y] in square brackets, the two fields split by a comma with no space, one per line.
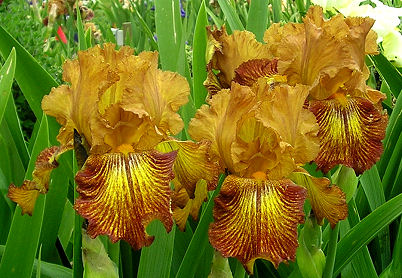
[124,111]
[262,135]
[328,57]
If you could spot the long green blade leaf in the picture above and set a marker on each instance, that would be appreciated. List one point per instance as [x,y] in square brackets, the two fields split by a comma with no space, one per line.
[82,42]
[23,238]
[231,15]
[199,62]
[361,234]
[393,132]
[6,80]
[258,18]
[47,270]
[388,73]
[371,183]
[199,241]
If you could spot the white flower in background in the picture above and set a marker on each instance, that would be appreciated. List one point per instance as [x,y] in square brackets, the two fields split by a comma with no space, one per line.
[386,23]
[392,45]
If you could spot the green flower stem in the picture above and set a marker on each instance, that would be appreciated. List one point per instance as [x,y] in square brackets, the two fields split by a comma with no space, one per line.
[78,268]
[331,253]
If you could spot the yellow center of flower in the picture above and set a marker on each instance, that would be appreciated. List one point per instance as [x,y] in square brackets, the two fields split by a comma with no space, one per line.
[341,98]
[276,78]
[259,176]
[124,148]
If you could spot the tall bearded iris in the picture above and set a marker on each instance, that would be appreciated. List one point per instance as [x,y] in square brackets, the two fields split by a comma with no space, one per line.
[261,135]
[124,110]
[328,57]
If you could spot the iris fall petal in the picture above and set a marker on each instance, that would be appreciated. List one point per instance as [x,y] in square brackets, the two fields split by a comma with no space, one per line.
[257,219]
[120,193]
[351,130]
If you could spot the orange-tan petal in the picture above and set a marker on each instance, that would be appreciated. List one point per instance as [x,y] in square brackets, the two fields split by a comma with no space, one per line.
[351,130]
[327,201]
[218,121]
[120,193]
[257,219]
[259,148]
[27,194]
[339,63]
[297,126]
[230,51]
[183,205]
[192,164]
[249,72]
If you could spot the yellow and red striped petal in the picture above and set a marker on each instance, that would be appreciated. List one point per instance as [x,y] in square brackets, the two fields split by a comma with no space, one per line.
[257,219]
[351,130]
[27,194]
[183,205]
[192,164]
[120,193]
[326,201]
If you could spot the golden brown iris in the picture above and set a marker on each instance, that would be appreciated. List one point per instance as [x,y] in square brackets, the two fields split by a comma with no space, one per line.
[328,57]
[125,110]
[260,135]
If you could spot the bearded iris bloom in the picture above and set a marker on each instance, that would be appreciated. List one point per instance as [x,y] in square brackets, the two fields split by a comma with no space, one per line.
[261,136]
[328,57]
[124,110]
[310,103]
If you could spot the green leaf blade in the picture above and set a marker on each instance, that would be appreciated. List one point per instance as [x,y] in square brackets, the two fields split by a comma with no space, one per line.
[361,234]
[25,230]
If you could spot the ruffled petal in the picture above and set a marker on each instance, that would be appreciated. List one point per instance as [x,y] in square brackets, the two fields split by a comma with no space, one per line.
[212,84]
[160,94]
[218,122]
[351,130]
[192,164]
[257,219]
[115,98]
[230,51]
[183,205]
[340,62]
[27,194]
[326,201]
[258,148]
[249,72]
[296,126]
[120,193]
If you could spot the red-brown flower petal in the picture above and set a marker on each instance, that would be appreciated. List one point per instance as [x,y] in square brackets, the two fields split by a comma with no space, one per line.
[350,133]
[249,72]
[121,193]
[326,201]
[257,219]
